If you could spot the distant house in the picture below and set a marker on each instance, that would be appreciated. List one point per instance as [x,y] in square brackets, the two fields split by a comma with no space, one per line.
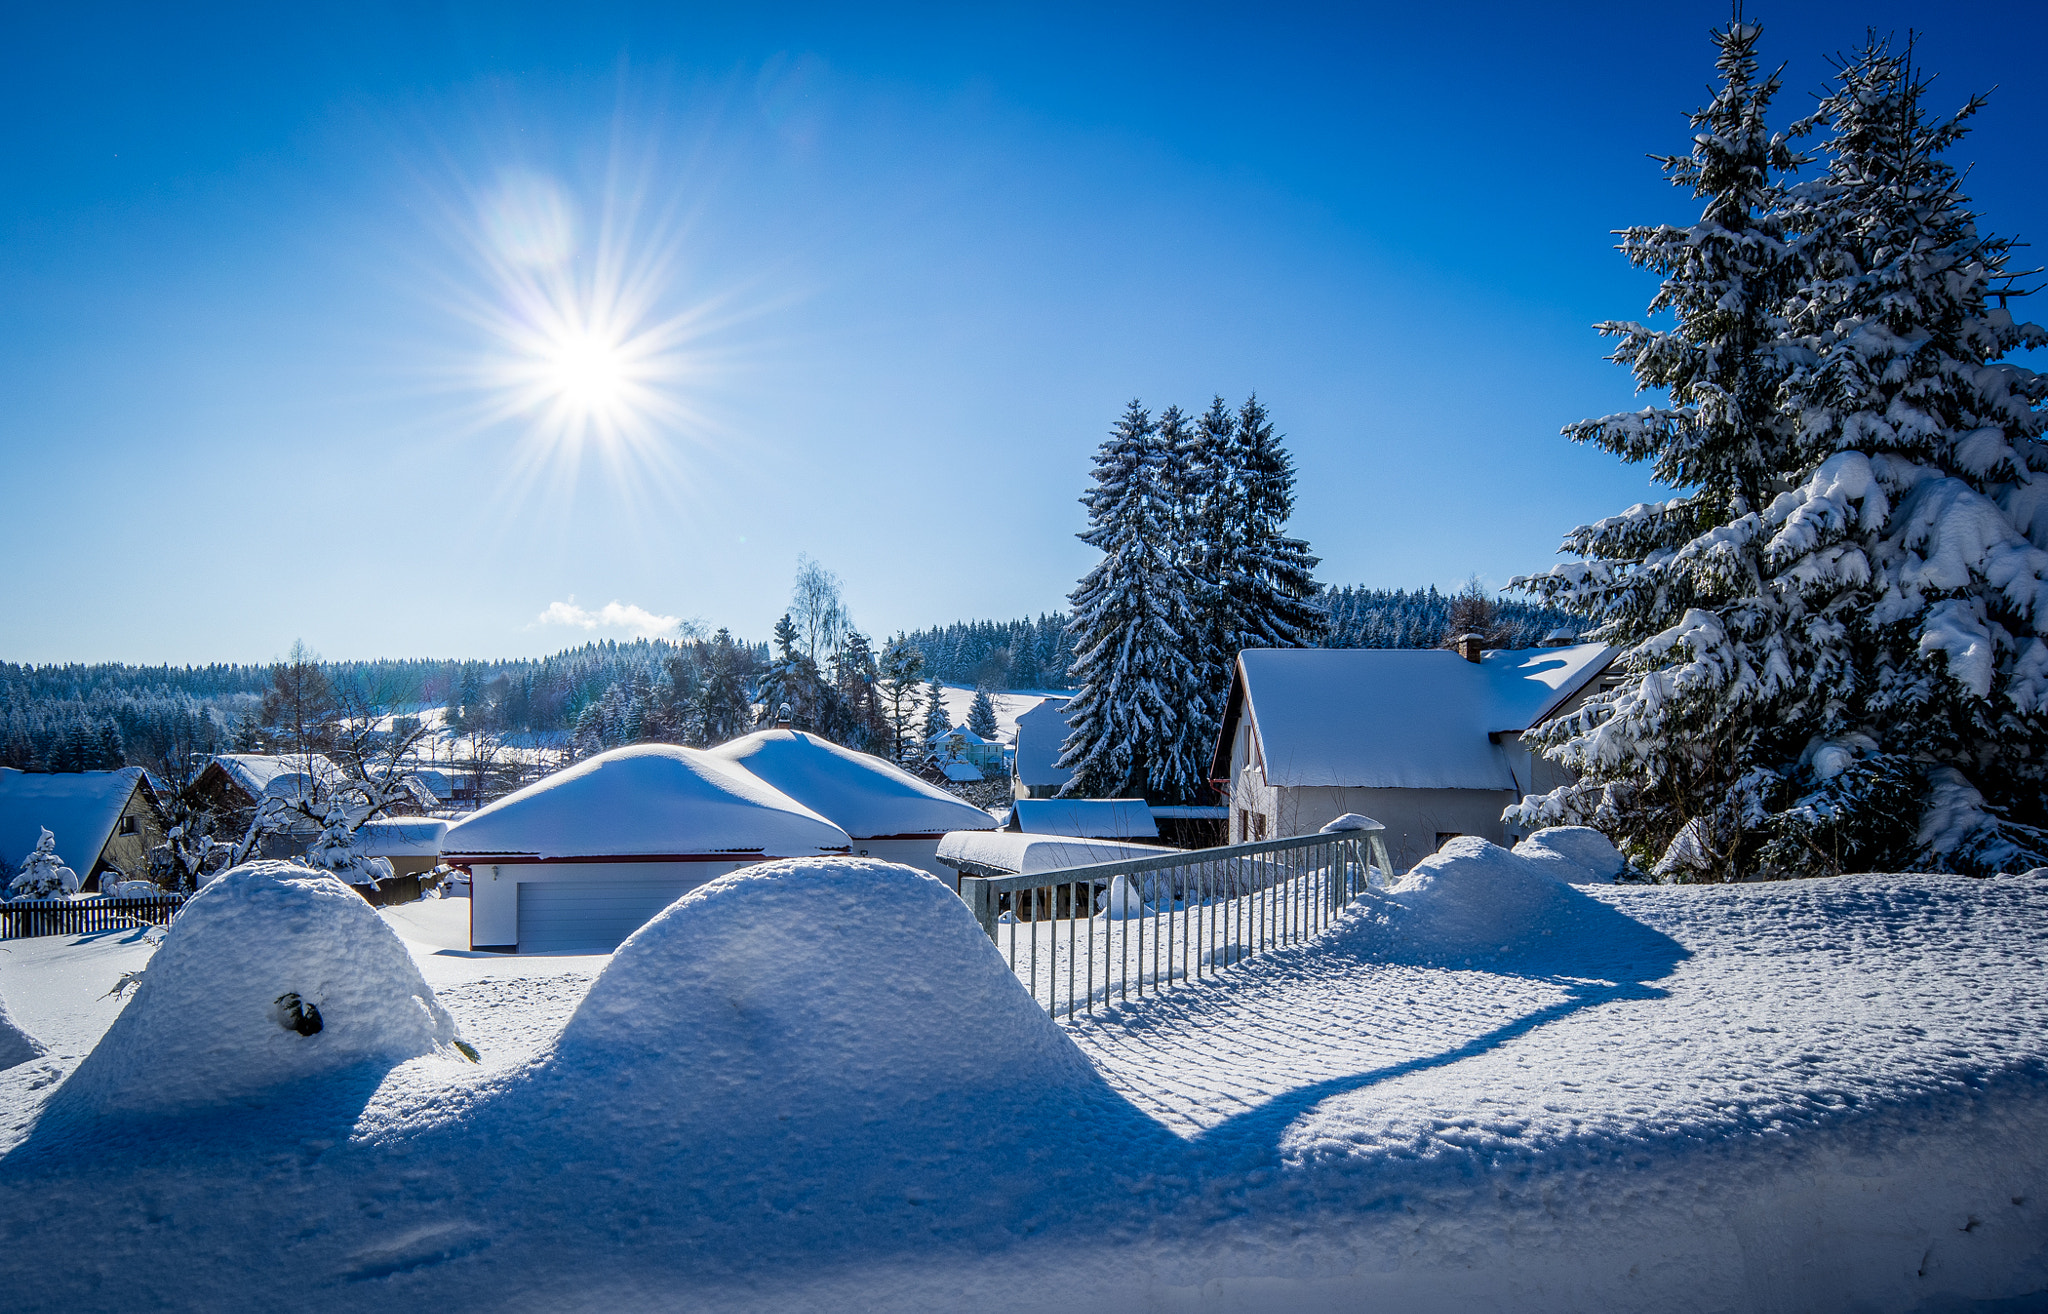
[889,813]
[237,782]
[1427,742]
[1041,734]
[103,821]
[577,862]
[960,744]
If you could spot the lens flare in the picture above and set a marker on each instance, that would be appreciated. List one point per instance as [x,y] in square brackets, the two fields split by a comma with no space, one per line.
[589,348]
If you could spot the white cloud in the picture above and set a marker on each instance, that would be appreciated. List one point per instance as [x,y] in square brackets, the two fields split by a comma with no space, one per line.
[641,622]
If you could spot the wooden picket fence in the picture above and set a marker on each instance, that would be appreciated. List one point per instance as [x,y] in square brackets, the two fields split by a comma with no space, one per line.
[22,918]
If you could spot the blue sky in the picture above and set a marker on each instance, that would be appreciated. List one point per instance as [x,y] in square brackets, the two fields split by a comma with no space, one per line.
[269,291]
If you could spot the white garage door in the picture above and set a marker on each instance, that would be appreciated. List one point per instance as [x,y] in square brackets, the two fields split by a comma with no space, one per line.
[592,916]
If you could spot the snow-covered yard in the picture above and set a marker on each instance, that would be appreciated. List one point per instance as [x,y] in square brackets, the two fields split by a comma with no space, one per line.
[816,1085]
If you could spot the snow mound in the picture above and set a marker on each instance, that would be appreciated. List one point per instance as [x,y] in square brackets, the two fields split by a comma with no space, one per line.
[1475,900]
[16,1046]
[844,986]
[271,973]
[1576,855]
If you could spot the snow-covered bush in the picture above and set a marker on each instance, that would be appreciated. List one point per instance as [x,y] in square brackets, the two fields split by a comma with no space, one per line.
[43,874]
[224,1010]
[752,999]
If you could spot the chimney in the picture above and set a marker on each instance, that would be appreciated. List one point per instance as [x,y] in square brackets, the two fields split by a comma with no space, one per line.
[1560,639]
[782,717]
[1468,646]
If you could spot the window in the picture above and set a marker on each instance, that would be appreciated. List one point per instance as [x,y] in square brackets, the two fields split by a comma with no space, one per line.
[131,825]
[1258,825]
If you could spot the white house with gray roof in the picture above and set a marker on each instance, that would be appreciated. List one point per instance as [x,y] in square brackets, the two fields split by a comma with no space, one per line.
[1425,741]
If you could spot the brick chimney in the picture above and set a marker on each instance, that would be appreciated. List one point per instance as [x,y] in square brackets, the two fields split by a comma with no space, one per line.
[1468,646]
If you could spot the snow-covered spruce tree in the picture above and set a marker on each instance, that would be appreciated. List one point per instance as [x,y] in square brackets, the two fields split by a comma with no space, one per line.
[1272,580]
[791,681]
[1681,761]
[981,715]
[936,722]
[1131,730]
[1915,542]
[902,666]
[43,874]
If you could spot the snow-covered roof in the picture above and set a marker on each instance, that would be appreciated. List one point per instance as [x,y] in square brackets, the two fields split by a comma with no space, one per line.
[649,800]
[963,773]
[1398,718]
[79,808]
[290,776]
[862,795]
[1041,733]
[1089,818]
[1006,852]
[401,837]
[960,732]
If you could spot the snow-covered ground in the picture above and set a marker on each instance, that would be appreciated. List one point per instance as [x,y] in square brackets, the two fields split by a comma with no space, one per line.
[959,700]
[817,1085]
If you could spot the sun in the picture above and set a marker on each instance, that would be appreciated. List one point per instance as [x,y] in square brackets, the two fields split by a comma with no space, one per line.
[588,371]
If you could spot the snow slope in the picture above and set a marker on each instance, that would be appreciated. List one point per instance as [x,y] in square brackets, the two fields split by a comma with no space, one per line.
[813,1085]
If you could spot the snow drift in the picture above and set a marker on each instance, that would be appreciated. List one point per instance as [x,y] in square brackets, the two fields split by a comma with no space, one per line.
[1477,903]
[16,1046]
[1577,855]
[271,973]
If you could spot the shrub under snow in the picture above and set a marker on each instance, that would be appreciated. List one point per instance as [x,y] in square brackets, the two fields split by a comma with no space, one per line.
[270,973]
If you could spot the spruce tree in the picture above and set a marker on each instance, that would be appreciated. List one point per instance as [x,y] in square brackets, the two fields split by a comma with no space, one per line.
[1272,575]
[936,722]
[1680,761]
[1908,542]
[902,667]
[1129,722]
[981,715]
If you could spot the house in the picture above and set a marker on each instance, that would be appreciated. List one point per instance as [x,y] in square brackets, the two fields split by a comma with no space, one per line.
[577,862]
[235,783]
[1427,742]
[1041,735]
[889,813]
[1085,818]
[103,821]
[960,744]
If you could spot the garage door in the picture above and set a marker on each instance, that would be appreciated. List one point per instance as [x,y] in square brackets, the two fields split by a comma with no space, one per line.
[592,916]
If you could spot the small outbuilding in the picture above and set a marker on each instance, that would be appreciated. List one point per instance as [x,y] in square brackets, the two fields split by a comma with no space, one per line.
[103,821]
[1085,818]
[1428,741]
[577,862]
[1012,853]
[888,813]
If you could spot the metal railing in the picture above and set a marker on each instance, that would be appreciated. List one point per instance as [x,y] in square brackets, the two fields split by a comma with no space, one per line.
[1080,936]
[21,919]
